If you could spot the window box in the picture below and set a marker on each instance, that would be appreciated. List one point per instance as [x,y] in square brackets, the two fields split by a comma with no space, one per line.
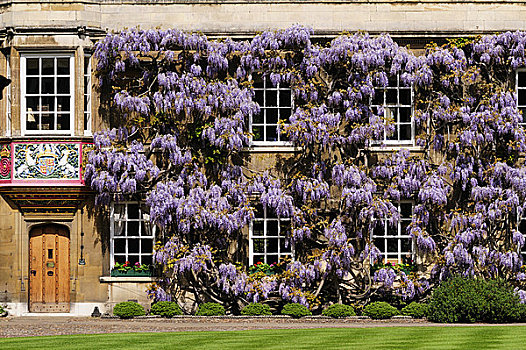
[130,273]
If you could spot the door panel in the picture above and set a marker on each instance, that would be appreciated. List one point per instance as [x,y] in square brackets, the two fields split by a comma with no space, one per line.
[49,269]
[62,270]
[35,273]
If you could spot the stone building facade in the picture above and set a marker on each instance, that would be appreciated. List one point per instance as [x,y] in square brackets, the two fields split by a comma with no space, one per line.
[55,256]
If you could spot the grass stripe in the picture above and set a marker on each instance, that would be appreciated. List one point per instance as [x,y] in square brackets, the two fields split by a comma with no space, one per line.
[451,337]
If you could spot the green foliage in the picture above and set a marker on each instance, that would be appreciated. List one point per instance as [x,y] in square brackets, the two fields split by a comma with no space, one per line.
[211,309]
[296,310]
[127,266]
[415,310]
[380,310]
[2,310]
[128,309]
[339,311]
[401,267]
[262,267]
[166,309]
[256,309]
[462,299]
[463,42]
[267,269]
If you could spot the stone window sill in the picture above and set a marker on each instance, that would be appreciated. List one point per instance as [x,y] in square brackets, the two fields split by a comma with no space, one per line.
[109,279]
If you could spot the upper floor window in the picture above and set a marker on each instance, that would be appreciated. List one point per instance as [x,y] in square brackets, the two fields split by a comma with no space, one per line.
[47,94]
[394,242]
[131,236]
[275,104]
[9,100]
[87,95]
[267,238]
[521,93]
[397,102]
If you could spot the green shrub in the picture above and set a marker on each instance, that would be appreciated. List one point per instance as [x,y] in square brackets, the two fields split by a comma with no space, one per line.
[166,309]
[339,311]
[379,310]
[461,299]
[522,313]
[128,309]
[296,310]
[256,309]
[415,310]
[210,309]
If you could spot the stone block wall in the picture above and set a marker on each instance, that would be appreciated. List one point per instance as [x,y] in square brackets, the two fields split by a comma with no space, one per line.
[446,17]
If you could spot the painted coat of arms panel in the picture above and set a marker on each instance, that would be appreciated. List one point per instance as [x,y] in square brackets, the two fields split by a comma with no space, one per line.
[47,161]
[5,161]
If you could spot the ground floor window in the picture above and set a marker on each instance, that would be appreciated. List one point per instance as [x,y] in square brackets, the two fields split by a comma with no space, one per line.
[268,243]
[132,238]
[394,242]
[522,229]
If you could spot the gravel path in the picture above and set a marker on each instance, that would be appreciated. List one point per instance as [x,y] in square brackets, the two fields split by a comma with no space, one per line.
[57,325]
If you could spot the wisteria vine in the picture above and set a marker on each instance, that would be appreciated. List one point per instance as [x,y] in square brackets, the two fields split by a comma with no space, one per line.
[180,104]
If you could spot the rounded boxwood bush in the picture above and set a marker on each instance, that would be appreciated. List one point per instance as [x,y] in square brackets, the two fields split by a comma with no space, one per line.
[166,309]
[461,299]
[296,310]
[211,309]
[339,311]
[256,309]
[415,310]
[380,310]
[128,309]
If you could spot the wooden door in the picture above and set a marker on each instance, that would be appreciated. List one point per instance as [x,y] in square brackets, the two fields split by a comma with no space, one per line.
[49,269]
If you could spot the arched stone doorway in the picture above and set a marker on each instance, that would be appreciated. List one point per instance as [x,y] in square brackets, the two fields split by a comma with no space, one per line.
[49,268]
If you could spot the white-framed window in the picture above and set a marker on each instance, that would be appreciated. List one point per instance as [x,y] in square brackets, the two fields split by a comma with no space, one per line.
[394,242]
[8,100]
[275,104]
[397,102]
[267,241]
[131,236]
[521,227]
[47,94]
[520,84]
[87,95]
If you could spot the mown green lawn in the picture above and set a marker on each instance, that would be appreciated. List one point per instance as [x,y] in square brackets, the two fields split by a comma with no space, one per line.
[478,337]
